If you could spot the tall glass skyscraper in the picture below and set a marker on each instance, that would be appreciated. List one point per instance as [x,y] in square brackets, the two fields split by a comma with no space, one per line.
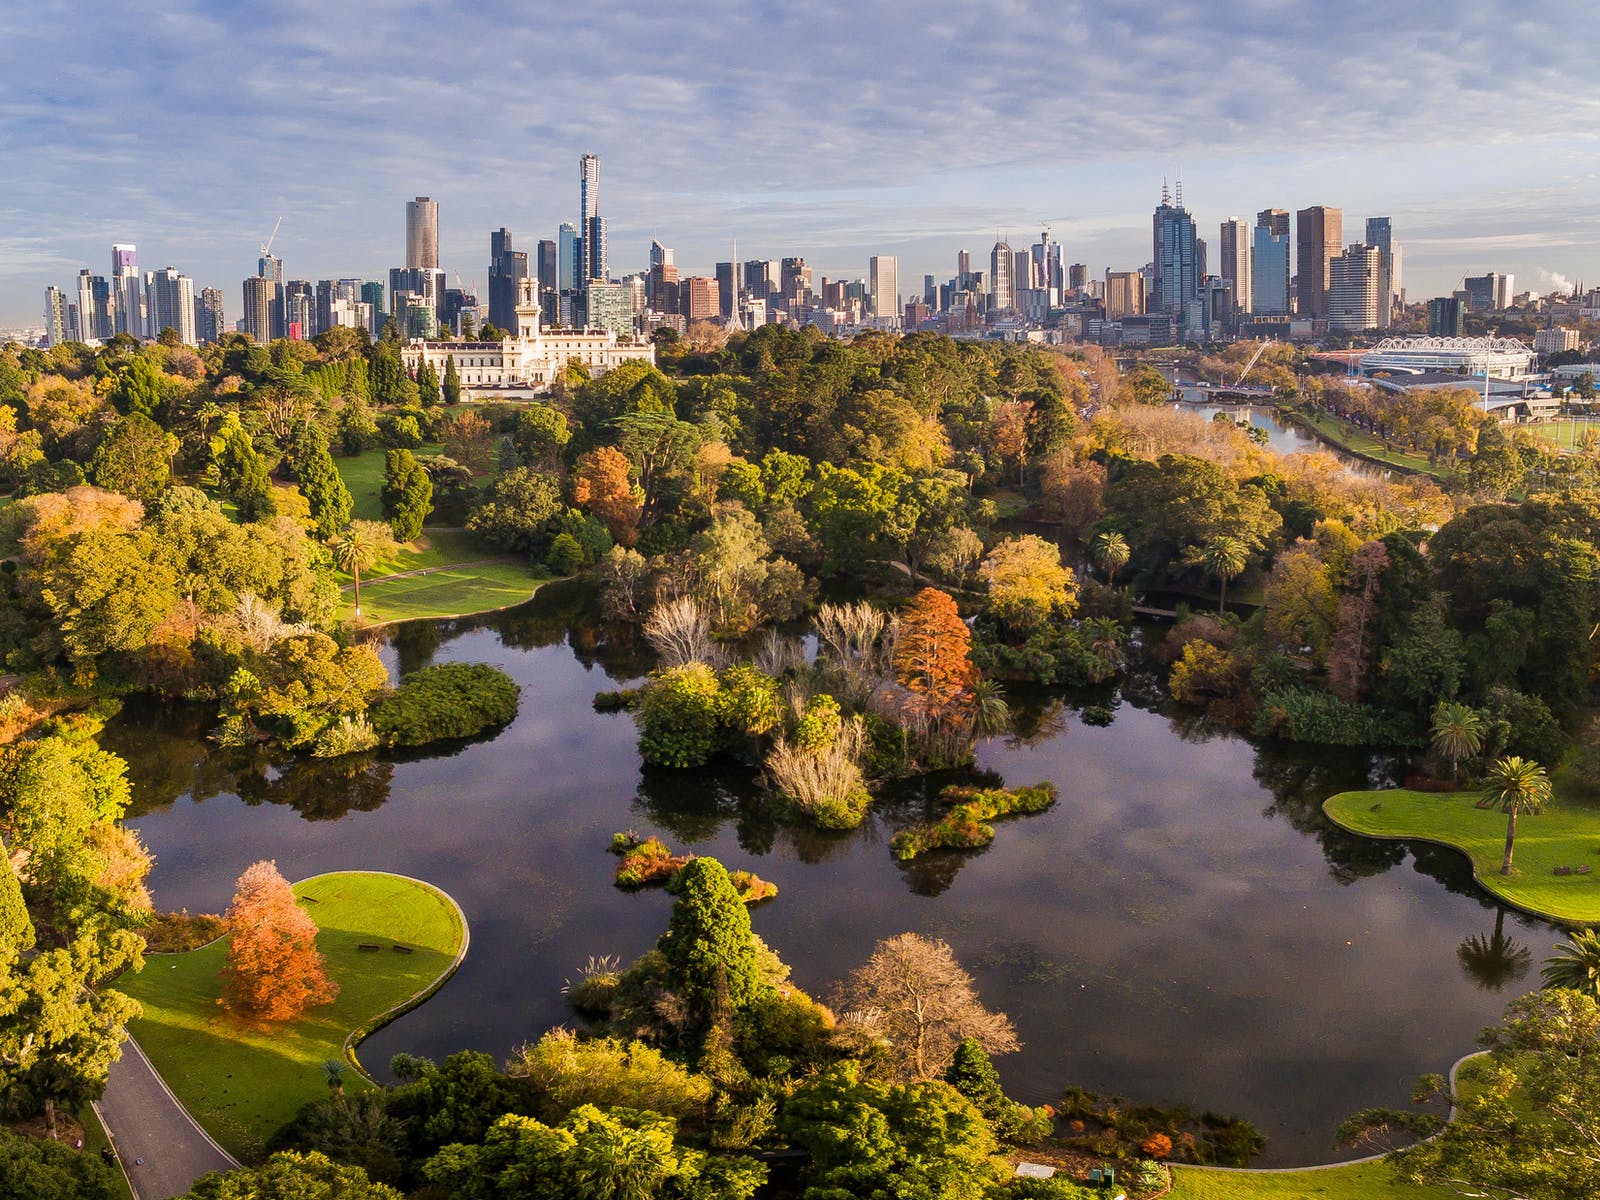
[1269,272]
[1176,256]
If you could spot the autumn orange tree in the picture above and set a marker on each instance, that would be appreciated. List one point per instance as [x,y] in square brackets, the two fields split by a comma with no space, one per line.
[601,483]
[933,662]
[274,971]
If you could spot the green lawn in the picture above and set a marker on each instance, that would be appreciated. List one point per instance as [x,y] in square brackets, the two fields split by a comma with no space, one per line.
[1361,1181]
[241,1083]
[1565,834]
[94,1138]
[363,475]
[476,580]
[1565,432]
[1341,433]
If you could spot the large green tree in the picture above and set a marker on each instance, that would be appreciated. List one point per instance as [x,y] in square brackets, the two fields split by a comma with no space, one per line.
[407,494]
[135,458]
[708,947]
[320,482]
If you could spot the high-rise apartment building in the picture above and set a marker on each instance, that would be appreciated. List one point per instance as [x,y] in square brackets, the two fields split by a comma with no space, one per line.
[1380,233]
[698,299]
[1269,272]
[55,317]
[1002,279]
[1354,289]
[597,263]
[1077,277]
[1235,248]
[127,287]
[569,250]
[262,304]
[549,271]
[372,297]
[1319,232]
[883,288]
[171,305]
[95,308]
[422,233]
[209,321]
[588,210]
[1124,294]
[1176,256]
[1447,317]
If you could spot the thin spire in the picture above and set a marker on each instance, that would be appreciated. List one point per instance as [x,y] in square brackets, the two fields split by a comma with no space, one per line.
[1166,196]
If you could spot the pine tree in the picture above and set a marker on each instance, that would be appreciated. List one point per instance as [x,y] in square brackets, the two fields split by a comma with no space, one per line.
[320,483]
[428,384]
[707,944]
[16,928]
[452,382]
[407,494]
[274,971]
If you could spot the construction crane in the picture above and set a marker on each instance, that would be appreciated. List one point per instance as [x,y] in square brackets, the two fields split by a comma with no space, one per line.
[266,246]
[1253,359]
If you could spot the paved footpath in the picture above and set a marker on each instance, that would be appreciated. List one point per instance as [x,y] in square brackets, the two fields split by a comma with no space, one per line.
[145,1121]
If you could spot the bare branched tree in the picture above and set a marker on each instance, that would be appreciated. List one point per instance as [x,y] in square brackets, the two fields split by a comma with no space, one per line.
[680,634]
[925,1005]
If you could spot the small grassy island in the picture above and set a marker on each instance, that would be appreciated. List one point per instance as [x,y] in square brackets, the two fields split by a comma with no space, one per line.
[241,1082]
[1565,835]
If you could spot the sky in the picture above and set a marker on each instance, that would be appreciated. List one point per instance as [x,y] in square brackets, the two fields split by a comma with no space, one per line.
[828,130]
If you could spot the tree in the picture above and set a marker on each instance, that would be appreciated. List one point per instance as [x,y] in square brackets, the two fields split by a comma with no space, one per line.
[926,1005]
[1027,583]
[274,971]
[932,657]
[1575,964]
[541,433]
[1144,384]
[135,459]
[518,516]
[139,388]
[59,1037]
[1457,732]
[242,472]
[451,387]
[1514,785]
[387,375]
[291,1175]
[16,927]
[1224,557]
[1301,606]
[35,1169]
[427,384]
[407,494]
[708,948]
[1111,551]
[320,482]
[362,545]
[601,483]
[1528,1128]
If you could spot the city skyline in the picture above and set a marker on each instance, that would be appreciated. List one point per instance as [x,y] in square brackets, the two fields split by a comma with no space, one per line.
[703,147]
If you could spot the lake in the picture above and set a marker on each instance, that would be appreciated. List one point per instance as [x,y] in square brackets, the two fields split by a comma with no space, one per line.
[1184,926]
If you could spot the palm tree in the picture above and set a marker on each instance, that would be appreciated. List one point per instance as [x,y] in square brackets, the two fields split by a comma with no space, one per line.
[1575,964]
[990,712]
[1111,551]
[333,1070]
[1224,557]
[359,547]
[1514,785]
[1105,637]
[1457,732]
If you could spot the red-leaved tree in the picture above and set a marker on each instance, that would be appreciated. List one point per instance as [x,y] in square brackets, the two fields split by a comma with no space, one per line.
[274,971]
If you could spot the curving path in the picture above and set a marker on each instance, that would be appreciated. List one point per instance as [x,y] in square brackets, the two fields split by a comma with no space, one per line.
[145,1122]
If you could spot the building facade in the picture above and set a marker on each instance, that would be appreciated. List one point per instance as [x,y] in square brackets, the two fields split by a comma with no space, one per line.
[1124,294]
[209,321]
[1319,232]
[529,356]
[1234,245]
[1380,233]
[1269,272]
[883,287]
[1175,257]
[1355,289]
[171,305]
[422,233]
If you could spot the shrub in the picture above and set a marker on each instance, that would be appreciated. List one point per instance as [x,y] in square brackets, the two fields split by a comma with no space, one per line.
[566,555]
[173,933]
[566,1072]
[826,783]
[964,827]
[1303,715]
[751,887]
[678,717]
[438,703]
[347,735]
[646,862]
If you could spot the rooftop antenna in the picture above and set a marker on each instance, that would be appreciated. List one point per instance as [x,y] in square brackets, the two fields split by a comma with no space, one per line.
[1166,196]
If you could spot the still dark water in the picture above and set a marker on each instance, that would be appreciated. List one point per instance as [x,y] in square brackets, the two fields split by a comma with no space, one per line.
[1183,927]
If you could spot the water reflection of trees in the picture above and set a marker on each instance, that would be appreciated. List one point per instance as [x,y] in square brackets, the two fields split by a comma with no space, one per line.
[320,789]
[1300,778]
[1496,960]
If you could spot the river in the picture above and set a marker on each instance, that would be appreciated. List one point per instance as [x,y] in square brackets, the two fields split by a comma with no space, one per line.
[1183,927]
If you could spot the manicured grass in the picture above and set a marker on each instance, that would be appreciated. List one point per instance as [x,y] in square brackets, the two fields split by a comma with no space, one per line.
[1359,1181]
[1565,432]
[1350,437]
[1565,835]
[242,1082]
[452,592]
[363,475]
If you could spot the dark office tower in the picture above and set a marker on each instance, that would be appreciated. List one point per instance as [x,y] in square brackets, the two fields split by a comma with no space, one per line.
[372,293]
[930,293]
[327,292]
[1176,256]
[547,265]
[1078,276]
[1447,317]
[758,278]
[727,289]
[422,233]
[594,250]
[209,321]
[1274,220]
[1319,233]
[963,270]
[507,269]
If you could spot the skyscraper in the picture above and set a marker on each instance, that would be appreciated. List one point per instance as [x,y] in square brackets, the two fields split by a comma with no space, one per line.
[262,304]
[55,317]
[1235,266]
[171,305]
[548,270]
[94,308]
[209,323]
[883,285]
[422,233]
[597,263]
[1002,278]
[1319,232]
[1176,256]
[588,210]
[570,246]
[727,288]
[1274,220]
[507,269]
[1380,233]
[1269,272]
[127,289]
[1124,294]
[1353,289]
